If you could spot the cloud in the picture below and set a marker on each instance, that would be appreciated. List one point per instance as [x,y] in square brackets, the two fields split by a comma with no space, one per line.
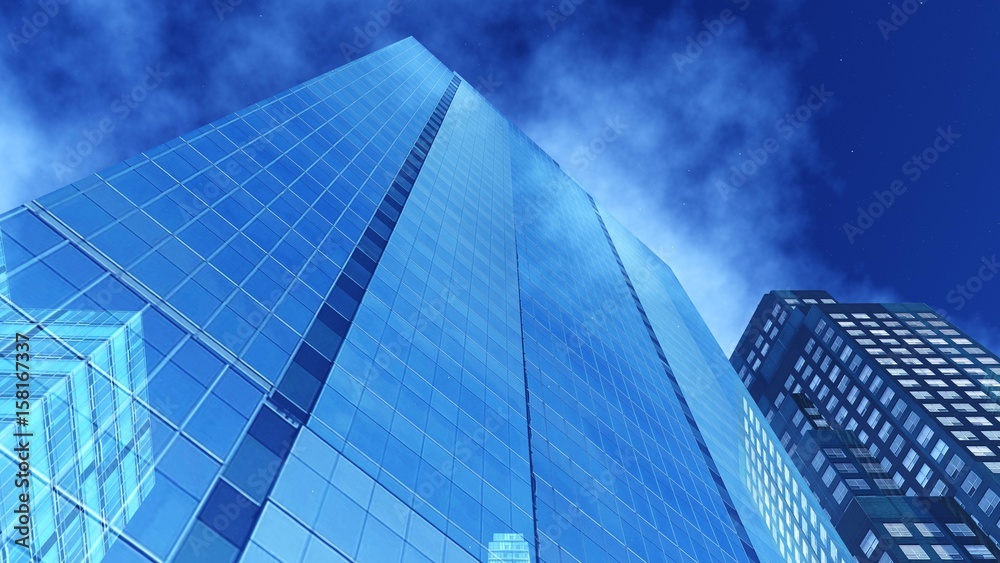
[675,132]
[684,126]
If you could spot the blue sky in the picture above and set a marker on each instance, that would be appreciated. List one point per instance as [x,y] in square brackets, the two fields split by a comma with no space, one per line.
[737,138]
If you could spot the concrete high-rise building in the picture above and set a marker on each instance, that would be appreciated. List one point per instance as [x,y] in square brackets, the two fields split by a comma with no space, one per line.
[378,323]
[889,411]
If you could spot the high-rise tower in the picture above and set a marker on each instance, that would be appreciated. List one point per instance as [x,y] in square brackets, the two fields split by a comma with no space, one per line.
[888,410]
[378,323]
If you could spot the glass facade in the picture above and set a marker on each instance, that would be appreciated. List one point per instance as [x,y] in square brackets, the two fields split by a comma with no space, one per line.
[367,319]
[880,401]
[84,424]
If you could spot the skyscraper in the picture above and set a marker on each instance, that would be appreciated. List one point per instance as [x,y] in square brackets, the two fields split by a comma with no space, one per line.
[887,409]
[379,324]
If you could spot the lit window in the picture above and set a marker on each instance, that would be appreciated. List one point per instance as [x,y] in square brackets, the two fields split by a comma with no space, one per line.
[924,475]
[925,435]
[914,552]
[885,432]
[818,460]
[939,451]
[955,466]
[971,484]
[899,409]
[863,406]
[874,418]
[887,397]
[857,484]
[897,445]
[897,530]
[886,484]
[989,501]
[960,530]
[869,544]
[839,493]
[841,415]
[947,552]
[980,552]
[980,451]
[928,530]
[940,489]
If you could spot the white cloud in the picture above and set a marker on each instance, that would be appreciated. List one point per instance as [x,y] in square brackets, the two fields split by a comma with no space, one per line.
[684,129]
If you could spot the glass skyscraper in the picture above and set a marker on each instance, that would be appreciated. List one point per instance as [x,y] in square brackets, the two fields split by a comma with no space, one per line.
[368,319]
[888,410]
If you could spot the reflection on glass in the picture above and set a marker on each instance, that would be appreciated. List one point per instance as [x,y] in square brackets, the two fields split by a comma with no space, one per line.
[508,548]
[781,500]
[85,428]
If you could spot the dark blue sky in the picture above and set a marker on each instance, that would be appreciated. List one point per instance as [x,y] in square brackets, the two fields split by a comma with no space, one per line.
[650,106]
